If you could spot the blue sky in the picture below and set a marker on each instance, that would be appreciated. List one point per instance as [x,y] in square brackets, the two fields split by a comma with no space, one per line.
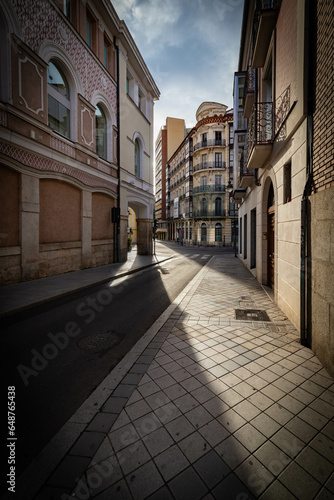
[191,47]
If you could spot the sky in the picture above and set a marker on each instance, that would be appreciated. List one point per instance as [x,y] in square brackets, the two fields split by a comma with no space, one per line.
[191,48]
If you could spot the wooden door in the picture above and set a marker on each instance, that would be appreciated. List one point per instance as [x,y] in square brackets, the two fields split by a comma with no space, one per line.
[271,247]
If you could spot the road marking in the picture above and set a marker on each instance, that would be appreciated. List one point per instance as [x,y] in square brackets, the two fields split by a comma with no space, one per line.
[205,257]
[194,256]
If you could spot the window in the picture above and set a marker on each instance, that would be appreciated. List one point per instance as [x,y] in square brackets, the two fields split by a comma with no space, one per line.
[218,207]
[204,161]
[203,232]
[245,236]
[130,85]
[218,232]
[137,158]
[106,54]
[218,138]
[218,182]
[203,182]
[240,234]
[287,183]
[218,160]
[204,207]
[253,239]
[101,132]
[58,100]
[204,139]
[89,32]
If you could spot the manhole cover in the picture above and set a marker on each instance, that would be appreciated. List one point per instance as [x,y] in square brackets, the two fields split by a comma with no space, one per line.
[98,341]
[251,315]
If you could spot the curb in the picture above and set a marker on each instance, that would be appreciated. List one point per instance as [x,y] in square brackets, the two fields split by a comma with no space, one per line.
[26,307]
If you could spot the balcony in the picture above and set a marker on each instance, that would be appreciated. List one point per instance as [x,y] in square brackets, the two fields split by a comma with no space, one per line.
[208,214]
[209,165]
[209,144]
[246,177]
[210,188]
[260,135]
[263,26]
[249,92]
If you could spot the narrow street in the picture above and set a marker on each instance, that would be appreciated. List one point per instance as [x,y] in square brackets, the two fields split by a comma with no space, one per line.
[60,352]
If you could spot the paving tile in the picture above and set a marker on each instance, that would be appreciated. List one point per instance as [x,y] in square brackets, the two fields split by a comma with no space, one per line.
[186,403]
[158,441]
[132,457]
[167,413]
[188,484]
[215,406]
[250,437]
[328,430]
[175,391]
[272,457]
[299,482]
[191,384]
[322,407]
[280,414]
[277,490]
[292,404]
[218,371]
[87,444]
[231,420]
[313,418]
[244,389]
[330,484]
[161,494]
[123,436]
[53,493]
[114,405]
[102,422]
[324,445]
[144,481]
[202,394]
[232,487]
[247,410]
[148,389]
[265,424]
[147,424]
[214,432]
[118,491]
[122,420]
[231,397]
[315,464]
[260,401]
[301,429]
[180,428]
[165,381]
[171,462]
[101,476]
[157,400]
[254,475]
[287,442]
[137,409]
[211,468]
[313,388]
[194,446]
[104,451]
[232,452]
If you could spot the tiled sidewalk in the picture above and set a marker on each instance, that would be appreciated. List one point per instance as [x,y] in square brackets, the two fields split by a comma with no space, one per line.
[213,408]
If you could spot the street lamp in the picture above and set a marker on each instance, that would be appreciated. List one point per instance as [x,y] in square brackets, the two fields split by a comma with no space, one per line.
[230,191]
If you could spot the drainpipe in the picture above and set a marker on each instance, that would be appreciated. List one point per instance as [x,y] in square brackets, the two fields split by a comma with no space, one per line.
[118,226]
[304,236]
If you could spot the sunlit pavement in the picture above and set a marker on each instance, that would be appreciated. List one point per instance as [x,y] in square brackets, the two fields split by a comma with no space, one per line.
[204,406]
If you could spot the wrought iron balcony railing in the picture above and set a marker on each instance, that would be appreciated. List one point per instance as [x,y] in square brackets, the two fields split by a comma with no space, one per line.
[209,214]
[261,6]
[209,143]
[260,128]
[210,188]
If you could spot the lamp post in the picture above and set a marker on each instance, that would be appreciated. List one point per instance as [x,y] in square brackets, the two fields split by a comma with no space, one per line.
[230,190]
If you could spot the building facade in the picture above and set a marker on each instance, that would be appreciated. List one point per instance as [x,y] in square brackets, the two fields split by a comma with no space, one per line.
[284,160]
[168,139]
[200,211]
[61,140]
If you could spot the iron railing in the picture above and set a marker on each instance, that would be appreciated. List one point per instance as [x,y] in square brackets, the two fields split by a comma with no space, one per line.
[209,143]
[210,164]
[210,188]
[260,127]
[249,83]
[261,6]
[209,214]
[282,108]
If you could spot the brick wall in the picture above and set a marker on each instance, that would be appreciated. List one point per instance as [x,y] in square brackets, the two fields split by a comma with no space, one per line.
[323,92]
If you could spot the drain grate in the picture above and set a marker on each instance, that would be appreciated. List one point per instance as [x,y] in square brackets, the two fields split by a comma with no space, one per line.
[251,315]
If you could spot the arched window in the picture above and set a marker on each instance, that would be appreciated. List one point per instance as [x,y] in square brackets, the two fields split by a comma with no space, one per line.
[101,132]
[218,206]
[59,104]
[204,207]
[137,158]
[218,232]
[203,232]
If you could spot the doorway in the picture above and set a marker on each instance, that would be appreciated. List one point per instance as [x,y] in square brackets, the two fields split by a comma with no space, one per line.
[271,237]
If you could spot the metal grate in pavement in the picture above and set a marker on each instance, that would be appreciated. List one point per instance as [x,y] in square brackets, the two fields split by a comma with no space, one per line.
[251,315]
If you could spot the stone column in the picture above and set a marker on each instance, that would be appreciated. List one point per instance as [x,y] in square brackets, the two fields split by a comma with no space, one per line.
[144,237]
[29,227]
[86,229]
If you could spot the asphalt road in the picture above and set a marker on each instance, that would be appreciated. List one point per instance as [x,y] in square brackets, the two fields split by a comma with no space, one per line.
[57,354]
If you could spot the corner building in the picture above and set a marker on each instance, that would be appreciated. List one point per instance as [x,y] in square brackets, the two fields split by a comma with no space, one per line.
[68,132]
[200,211]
